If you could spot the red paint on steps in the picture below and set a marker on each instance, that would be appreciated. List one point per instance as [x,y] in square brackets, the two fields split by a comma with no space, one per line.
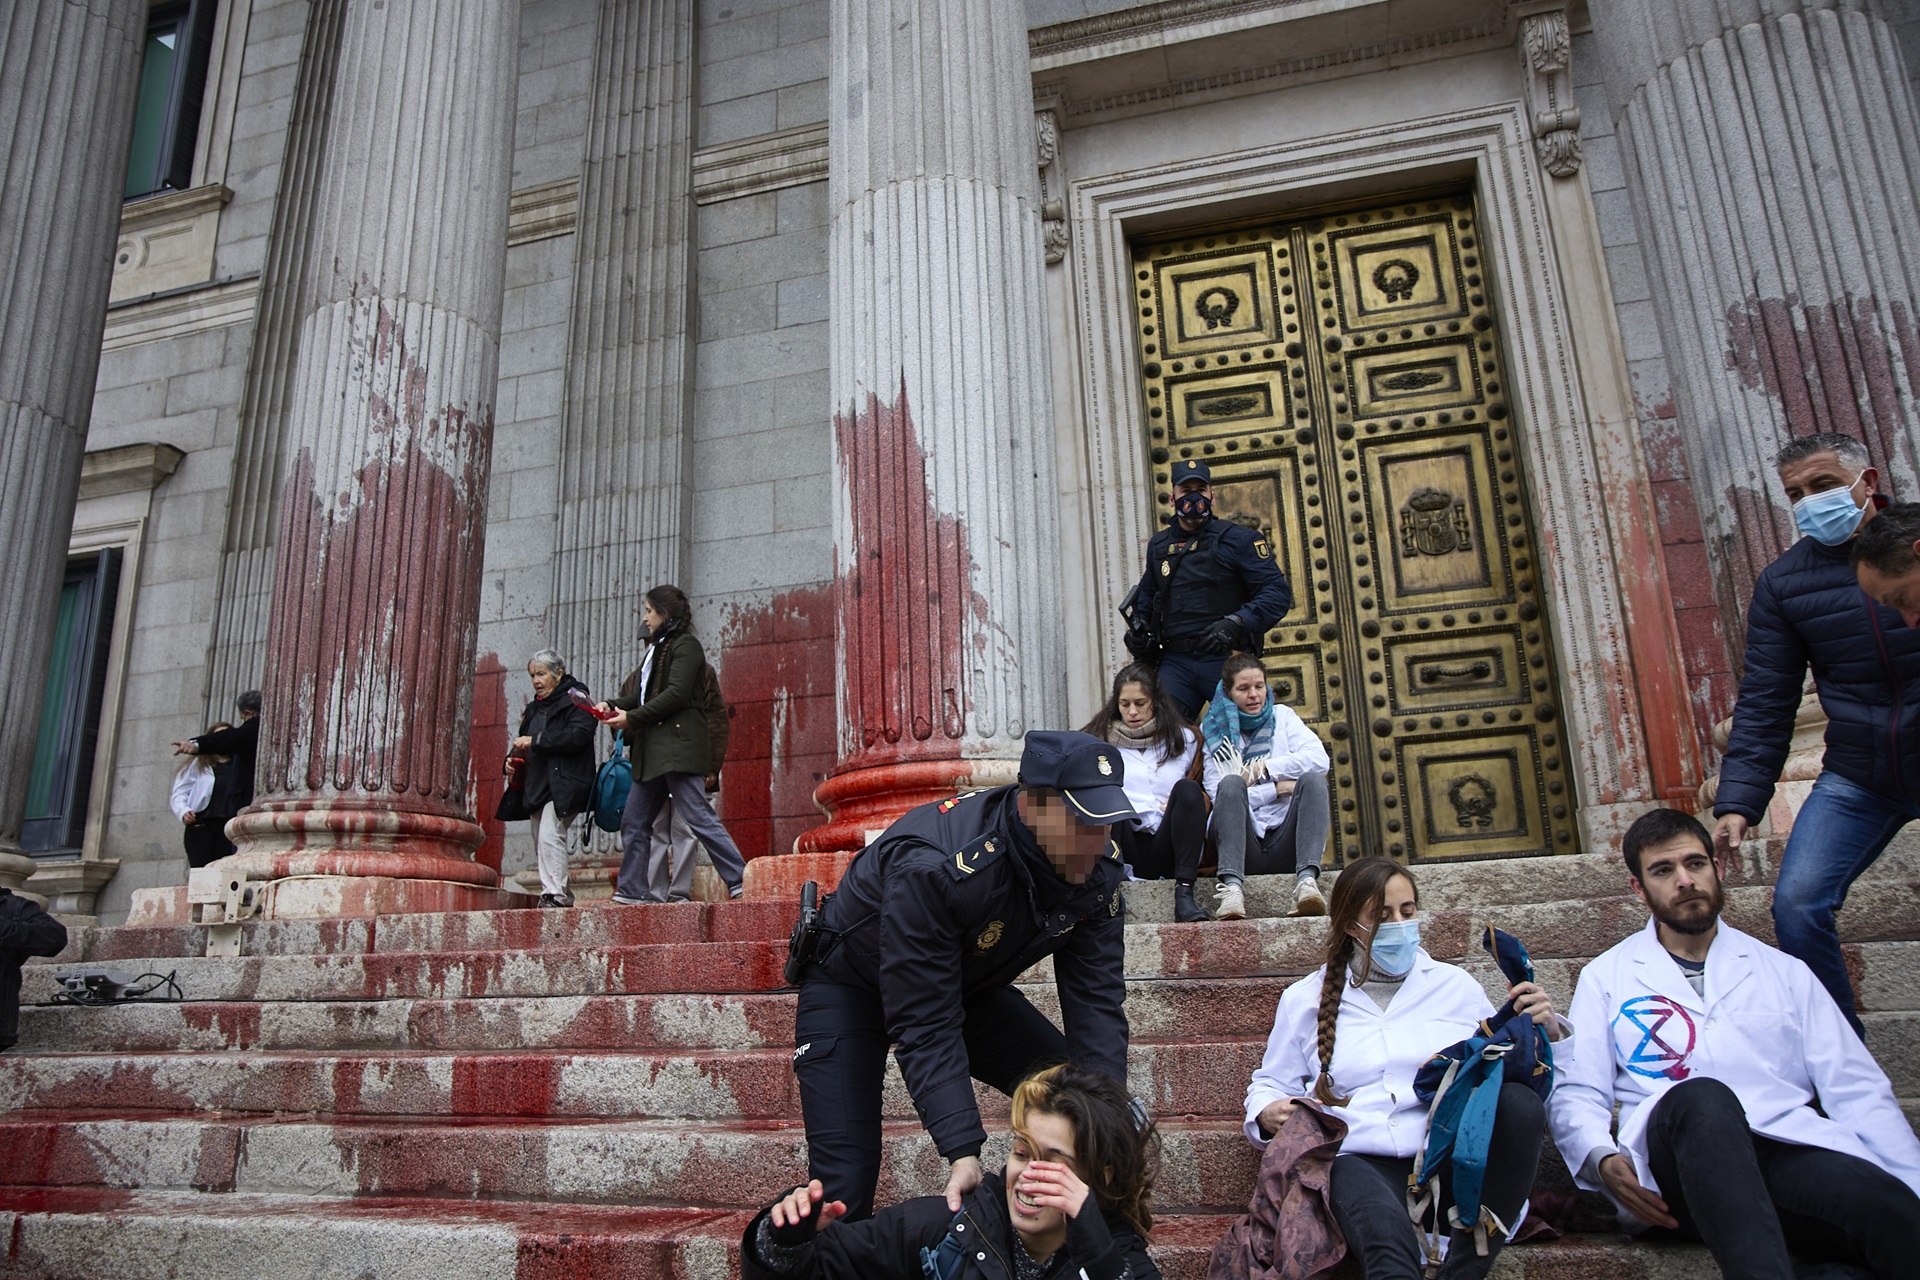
[511,1086]
[237,1024]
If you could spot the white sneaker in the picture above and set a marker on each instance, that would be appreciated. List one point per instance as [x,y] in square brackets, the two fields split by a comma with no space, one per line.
[1307,899]
[1228,902]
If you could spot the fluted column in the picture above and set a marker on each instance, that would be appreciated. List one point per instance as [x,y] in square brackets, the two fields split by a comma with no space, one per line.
[68,70]
[1773,158]
[623,435]
[369,681]
[950,637]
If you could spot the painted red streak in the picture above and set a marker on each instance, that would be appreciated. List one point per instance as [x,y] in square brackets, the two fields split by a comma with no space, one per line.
[488,742]
[906,601]
[776,670]
[506,1086]
[238,1024]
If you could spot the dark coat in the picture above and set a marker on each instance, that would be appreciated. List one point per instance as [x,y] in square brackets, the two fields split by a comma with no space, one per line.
[233,781]
[889,1243]
[954,899]
[1808,612]
[25,930]
[719,719]
[667,727]
[560,764]
[1222,569]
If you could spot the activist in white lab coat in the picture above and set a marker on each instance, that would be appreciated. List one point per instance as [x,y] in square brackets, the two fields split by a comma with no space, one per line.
[1717,1048]
[1169,828]
[1355,1047]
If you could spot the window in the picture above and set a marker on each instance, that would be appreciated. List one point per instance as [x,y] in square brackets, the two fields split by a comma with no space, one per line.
[173,80]
[62,776]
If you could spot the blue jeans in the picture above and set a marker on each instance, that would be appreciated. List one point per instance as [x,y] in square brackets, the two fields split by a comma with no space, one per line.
[1840,831]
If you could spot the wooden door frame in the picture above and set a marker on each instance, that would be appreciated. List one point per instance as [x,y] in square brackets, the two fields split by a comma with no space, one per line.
[1621,673]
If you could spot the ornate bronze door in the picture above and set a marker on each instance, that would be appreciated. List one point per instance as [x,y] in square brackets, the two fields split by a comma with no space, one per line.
[1342,378]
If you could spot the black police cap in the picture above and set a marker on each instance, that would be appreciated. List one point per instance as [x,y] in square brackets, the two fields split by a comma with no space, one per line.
[1191,469]
[1080,767]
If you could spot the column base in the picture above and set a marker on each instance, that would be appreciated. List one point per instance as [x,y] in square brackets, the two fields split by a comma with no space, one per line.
[328,897]
[356,838]
[863,800]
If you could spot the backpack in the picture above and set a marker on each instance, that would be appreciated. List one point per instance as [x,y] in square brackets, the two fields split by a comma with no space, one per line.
[1463,1081]
[610,787]
[943,1262]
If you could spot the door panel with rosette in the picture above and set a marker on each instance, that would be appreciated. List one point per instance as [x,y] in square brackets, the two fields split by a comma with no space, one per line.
[1342,378]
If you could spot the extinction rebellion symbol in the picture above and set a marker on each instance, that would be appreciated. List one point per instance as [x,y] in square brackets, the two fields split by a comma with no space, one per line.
[1655,1037]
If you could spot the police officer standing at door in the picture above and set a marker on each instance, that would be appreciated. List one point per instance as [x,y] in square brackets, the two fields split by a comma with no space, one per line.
[1211,588]
[920,944]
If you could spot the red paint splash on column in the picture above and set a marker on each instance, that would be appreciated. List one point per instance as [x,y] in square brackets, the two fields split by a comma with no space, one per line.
[487,746]
[775,662]
[906,600]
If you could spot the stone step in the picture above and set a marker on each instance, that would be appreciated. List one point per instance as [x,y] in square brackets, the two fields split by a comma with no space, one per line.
[1197,1077]
[86,1234]
[1156,1007]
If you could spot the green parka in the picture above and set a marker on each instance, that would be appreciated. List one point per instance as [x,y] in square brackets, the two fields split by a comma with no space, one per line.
[667,728]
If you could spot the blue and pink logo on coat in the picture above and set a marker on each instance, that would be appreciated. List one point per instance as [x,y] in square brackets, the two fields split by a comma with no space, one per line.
[1654,1036]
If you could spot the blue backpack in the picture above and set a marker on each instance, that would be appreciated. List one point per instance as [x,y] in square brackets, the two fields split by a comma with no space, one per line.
[1463,1083]
[610,787]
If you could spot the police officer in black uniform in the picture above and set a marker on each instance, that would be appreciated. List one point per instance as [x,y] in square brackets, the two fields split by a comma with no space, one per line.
[1210,587]
[919,947]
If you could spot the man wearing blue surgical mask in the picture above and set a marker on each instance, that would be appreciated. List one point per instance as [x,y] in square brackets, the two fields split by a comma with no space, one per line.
[1810,614]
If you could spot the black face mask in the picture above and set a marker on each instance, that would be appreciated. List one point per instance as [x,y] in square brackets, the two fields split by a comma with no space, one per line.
[1195,504]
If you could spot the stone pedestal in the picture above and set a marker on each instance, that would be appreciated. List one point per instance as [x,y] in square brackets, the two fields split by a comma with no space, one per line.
[1771,159]
[949,640]
[67,79]
[363,768]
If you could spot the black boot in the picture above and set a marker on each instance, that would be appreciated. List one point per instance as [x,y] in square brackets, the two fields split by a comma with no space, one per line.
[1464,1259]
[1185,909]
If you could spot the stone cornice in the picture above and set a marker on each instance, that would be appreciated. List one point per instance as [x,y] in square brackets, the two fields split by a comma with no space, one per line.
[129,468]
[790,158]
[172,206]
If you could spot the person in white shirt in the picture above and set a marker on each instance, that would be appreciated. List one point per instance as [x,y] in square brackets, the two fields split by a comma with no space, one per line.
[1266,773]
[1751,1116]
[202,835]
[1353,1034]
[1160,749]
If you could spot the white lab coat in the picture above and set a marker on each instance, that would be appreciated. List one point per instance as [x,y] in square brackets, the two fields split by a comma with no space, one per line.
[192,788]
[1149,778]
[1297,751]
[1376,1053]
[1767,1029]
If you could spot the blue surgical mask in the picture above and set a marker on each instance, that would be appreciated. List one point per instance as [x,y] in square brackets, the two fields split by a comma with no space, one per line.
[1394,947]
[1829,516]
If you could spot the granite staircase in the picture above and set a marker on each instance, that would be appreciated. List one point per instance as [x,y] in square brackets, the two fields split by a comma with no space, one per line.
[605,1093]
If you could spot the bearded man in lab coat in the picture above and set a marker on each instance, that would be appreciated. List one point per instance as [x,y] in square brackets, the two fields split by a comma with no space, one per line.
[1716,1048]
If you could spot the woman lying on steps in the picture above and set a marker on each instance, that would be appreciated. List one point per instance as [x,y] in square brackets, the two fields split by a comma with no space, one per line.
[1073,1200]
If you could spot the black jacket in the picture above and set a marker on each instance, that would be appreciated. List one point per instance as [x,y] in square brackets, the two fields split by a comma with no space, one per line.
[560,764]
[25,930]
[232,782]
[1222,569]
[1808,611]
[953,899]
[889,1244]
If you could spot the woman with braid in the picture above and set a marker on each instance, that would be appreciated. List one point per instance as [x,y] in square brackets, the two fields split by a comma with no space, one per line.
[1350,1037]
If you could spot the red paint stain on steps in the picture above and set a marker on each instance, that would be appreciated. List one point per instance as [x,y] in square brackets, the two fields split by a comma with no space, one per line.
[518,1085]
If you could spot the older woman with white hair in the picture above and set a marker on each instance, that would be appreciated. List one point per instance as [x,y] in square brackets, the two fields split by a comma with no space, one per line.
[556,742]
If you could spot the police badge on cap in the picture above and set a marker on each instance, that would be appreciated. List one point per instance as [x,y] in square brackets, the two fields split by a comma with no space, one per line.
[1080,767]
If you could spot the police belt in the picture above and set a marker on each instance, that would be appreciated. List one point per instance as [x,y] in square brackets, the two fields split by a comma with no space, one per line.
[1198,646]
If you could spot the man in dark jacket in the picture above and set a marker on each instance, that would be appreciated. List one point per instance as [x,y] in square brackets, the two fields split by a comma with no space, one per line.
[1211,587]
[1808,612]
[25,930]
[233,784]
[923,939]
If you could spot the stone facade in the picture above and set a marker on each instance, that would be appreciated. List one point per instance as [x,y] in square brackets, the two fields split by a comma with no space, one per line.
[1158,115]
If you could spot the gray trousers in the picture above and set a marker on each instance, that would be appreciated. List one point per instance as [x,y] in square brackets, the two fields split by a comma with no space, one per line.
[649,871]
[1297,844]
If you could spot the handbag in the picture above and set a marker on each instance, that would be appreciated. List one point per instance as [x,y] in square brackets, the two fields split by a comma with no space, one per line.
[610,787]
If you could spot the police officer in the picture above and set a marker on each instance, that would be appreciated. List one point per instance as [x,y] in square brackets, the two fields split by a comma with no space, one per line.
[922,941]
[1210,587]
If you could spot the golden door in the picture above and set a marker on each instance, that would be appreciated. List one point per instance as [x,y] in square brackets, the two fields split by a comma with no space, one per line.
[1342,378]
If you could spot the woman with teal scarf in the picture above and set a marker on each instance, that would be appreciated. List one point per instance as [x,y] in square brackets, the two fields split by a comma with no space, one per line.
[1266,773]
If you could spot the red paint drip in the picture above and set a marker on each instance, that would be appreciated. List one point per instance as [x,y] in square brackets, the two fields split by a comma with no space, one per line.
[487,745]
[776,670]
[506,1086]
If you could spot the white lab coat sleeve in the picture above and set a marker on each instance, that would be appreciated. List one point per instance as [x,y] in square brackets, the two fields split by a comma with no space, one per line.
[1853,1090]
[181,798]
[1580,1110]
[1287,1069]
[1297,749]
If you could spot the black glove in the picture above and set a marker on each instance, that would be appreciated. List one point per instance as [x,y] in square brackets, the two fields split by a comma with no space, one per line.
[1141,644]
[1225,633]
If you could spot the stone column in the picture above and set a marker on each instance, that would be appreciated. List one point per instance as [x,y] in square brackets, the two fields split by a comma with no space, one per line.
[945,529]
[363,768]
[1773,158]
[68,69]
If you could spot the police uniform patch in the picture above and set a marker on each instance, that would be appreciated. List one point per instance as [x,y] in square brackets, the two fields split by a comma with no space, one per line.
[989,937]
[1113,904]
[1106,768]
[946,805]
[1261,549]
[1166,568]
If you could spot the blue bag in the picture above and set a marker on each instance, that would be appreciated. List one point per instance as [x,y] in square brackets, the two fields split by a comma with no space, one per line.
[1463,1082]
[610,787]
